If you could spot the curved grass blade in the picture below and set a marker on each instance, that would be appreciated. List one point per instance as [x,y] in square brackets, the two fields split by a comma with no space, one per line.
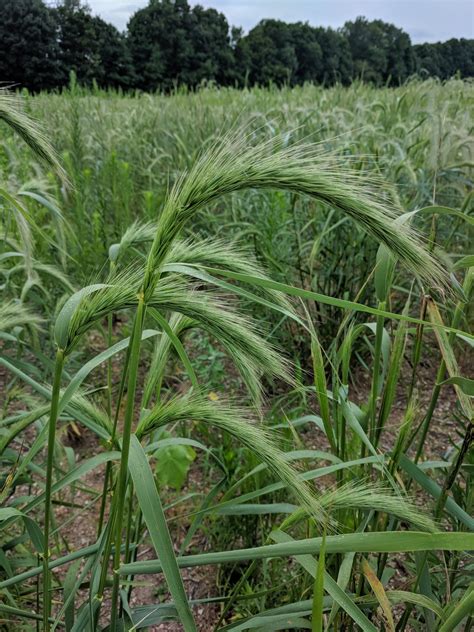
[87,368]
[334,302]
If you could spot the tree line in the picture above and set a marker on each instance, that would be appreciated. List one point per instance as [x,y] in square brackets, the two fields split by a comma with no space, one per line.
[170,43]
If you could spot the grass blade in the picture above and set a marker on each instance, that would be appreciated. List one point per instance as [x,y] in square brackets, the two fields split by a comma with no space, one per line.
[376,542]
[325,580]
[379,592]
[152,509]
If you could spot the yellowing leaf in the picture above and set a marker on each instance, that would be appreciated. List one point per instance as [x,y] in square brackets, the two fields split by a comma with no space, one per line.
[379,592]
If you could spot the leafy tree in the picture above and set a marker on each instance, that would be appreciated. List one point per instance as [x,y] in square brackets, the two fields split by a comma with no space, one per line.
[169,42]
[28,49]
[172,43]
[309,56]
[212,56]
[429,60]
[294,53]
[400,57]
[336,57]
[90,47]
[380,52]
[115,67]
[77,44]
[269,53]
[445,59]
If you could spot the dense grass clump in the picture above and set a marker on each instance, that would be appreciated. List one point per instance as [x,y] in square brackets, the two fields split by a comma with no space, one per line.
[226,334]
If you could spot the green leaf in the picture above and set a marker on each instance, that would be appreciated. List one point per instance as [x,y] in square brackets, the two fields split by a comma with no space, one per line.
[345,570]
[177,345]
[271,623]
[61,328]
[321,389]
[35,533]
[69,593]
[60,561]
[247,509]
[464,383]
[88,367]
[145,616]
[204,276]
[330,300]
[403,596]
[288,612]
[464,262]
[18,612]
[441,210]
[465,338]
[462,610]
[74,475]
[306,476]
[434,490]
[318,592]
[45,391]
[424,583]
[383,276]
[376,542]
[334,590]
[449,357]
[172,464]
[153,514]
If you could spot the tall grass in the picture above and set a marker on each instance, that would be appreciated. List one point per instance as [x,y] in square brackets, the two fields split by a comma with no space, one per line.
[351,252]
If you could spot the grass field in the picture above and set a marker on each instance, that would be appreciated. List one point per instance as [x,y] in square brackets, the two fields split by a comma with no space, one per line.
[236,359]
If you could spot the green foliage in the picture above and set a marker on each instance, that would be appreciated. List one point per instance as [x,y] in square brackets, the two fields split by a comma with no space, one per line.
[28,46]
[291,459]
[281,53]
[445,59]
[91,48]
[381,53]
[170,43]
[173,463]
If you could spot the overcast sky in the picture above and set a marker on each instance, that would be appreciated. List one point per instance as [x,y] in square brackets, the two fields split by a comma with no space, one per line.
[424,20]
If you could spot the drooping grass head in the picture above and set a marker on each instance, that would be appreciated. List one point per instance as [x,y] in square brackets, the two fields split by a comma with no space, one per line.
[29,131]
[233,164]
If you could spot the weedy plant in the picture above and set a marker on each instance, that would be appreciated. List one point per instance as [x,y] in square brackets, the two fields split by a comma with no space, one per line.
[344,533]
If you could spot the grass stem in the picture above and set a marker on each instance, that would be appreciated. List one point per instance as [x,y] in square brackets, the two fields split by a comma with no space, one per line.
[58,370]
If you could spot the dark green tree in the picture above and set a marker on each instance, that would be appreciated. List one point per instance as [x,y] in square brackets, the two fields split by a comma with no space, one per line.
[294,53]
[78,50]
[28,48]
[309,56]
[171,43]
[429,60]
[380,51]
[91,48]
[174,44]
[115,66]
[269,54]
[445,59]
[336,57]
[212,57]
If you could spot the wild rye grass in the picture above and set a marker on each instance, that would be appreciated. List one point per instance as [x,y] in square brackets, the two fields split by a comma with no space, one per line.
[164,285]
[125,152]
